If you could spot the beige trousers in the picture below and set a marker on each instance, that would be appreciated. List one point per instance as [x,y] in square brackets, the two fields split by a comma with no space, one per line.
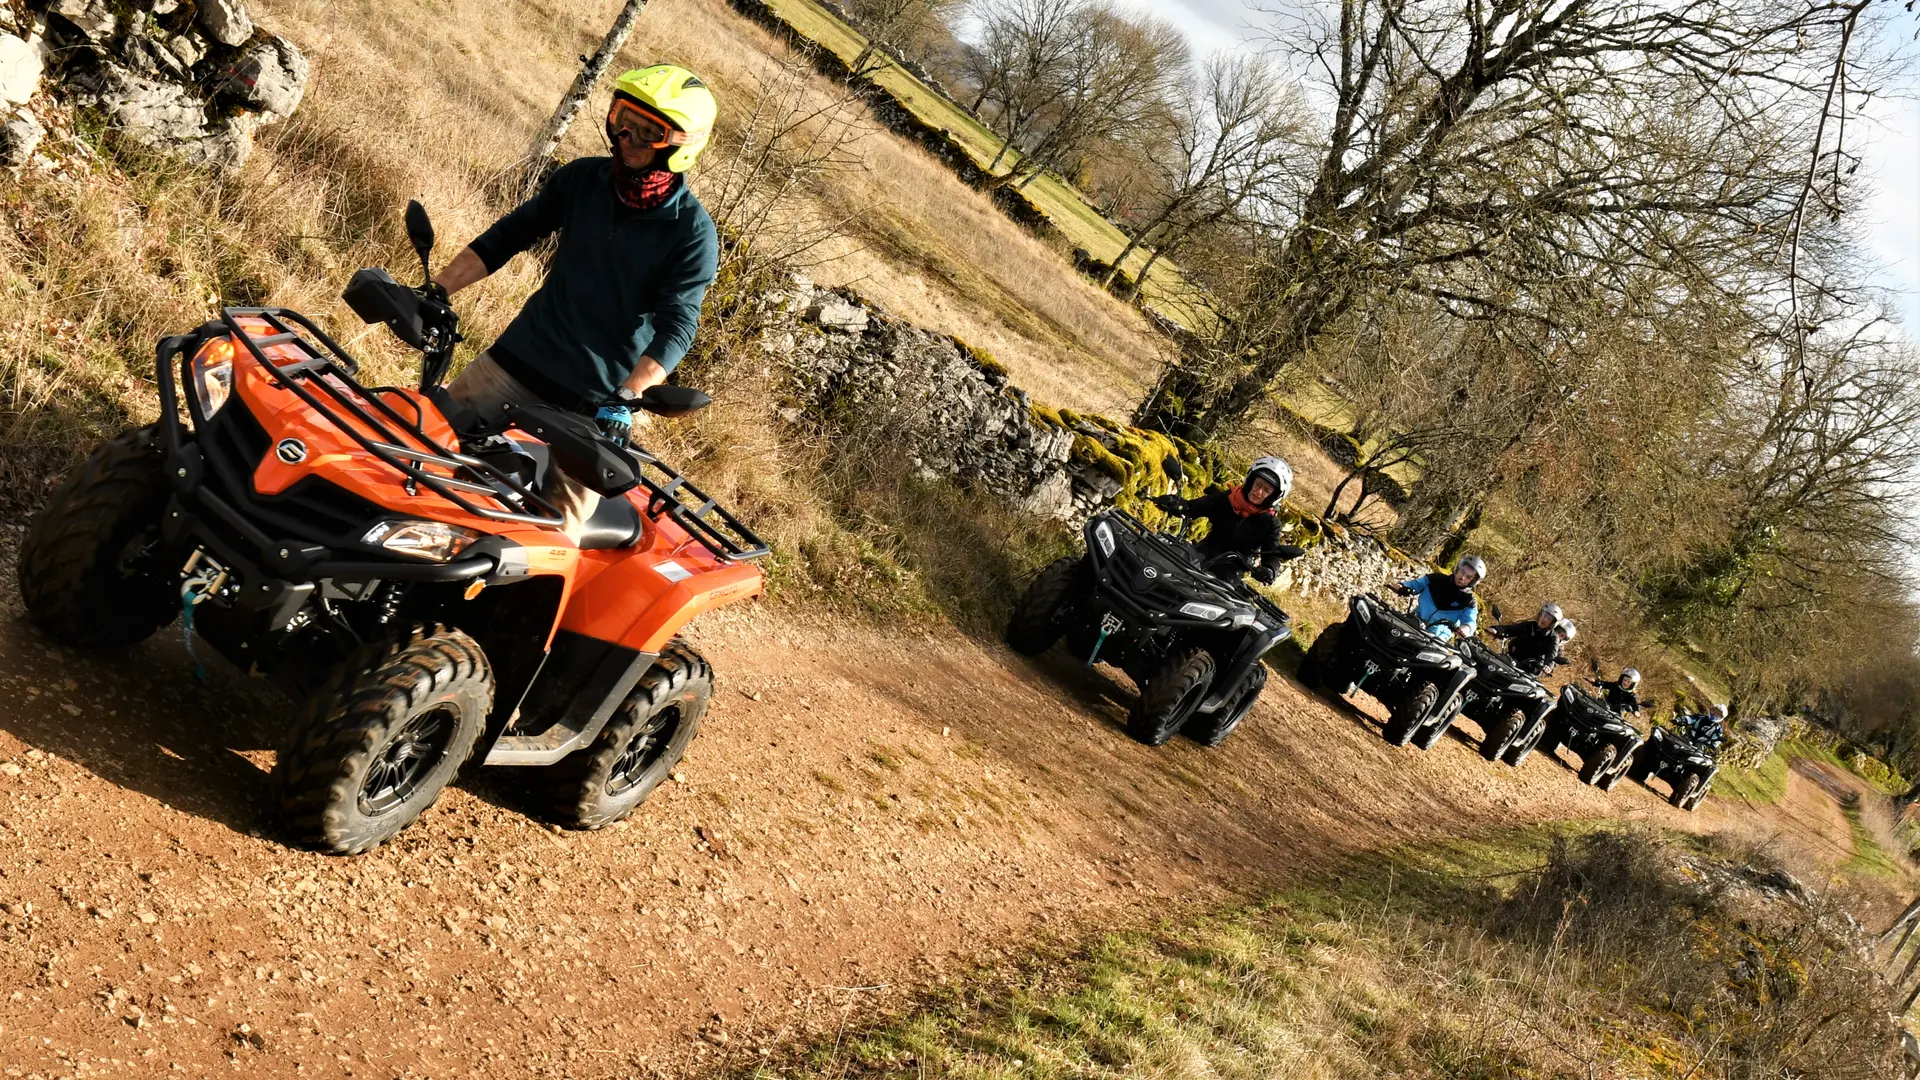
[486,388]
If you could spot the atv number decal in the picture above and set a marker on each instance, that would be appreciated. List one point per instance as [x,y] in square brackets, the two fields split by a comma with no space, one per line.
[671,570]
[291,451]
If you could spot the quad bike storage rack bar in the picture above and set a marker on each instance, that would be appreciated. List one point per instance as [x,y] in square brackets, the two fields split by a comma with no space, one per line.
[694,510]
[333,371]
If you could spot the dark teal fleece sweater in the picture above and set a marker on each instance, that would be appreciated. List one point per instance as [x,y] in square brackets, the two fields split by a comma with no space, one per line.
[624,283]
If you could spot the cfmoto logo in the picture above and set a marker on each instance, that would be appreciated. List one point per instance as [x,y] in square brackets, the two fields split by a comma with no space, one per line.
[1151,573]
[291,451]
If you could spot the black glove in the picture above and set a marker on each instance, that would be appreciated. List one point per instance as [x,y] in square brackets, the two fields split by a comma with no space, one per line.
[1265,574]
[1399,589]
[1172,504]
[1289,551]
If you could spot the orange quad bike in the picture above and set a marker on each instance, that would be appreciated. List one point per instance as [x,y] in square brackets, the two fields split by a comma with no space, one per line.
[388,560]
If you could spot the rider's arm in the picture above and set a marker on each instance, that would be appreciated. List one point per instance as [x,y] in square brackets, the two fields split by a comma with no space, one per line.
[681,288]
[465,269]
[524,226]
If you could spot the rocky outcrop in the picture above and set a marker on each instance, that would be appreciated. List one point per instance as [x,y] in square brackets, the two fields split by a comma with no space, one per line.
[190,77]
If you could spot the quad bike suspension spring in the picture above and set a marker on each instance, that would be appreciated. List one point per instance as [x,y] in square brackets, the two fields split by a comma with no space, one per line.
[388,604]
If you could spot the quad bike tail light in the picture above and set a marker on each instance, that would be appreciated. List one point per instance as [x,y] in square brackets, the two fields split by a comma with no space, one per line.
[212,375]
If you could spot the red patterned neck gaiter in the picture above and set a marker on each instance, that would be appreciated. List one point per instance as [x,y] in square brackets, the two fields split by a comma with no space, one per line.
[642,189]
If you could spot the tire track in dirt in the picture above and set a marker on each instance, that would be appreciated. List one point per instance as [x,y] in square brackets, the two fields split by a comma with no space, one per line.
[863,809]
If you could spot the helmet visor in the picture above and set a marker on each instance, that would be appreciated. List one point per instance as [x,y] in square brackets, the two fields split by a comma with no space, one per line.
[638,127]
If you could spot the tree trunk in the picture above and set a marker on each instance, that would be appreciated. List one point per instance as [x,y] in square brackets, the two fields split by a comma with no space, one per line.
[858,68]
[994,165]
[1140,280]
[534,168]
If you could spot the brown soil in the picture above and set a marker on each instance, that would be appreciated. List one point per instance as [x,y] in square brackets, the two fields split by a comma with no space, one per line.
[865,812]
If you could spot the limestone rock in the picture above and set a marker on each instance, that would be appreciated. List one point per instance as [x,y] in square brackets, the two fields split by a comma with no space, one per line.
[836,313]
[155,113]
[270,77]
[93,18]
[19,137]
[225,21]
[20,69]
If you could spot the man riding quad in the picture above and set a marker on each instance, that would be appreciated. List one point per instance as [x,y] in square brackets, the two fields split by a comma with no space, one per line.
[622,295]
[1172,613]
[1403,661]
[1446,601]
[1686,758]
[1621,694]
[1535,644]
[1241,521]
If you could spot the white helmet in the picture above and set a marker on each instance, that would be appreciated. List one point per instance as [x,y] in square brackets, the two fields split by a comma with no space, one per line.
[1477,564]
[1629,678]
[1552,611]
[1565,626]
[1275,471]
[1717,711]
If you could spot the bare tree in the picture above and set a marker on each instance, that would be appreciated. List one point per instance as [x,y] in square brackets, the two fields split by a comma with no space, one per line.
[1227,133]
[1476,150]
[902,24]
[533,169]
[1020,63]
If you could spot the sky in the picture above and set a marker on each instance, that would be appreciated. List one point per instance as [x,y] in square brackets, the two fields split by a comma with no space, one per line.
[1889,143]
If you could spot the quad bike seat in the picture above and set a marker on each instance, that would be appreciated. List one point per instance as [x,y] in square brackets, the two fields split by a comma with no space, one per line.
[615,523]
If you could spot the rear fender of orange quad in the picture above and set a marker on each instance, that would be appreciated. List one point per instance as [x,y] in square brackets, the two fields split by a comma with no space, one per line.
[641,597]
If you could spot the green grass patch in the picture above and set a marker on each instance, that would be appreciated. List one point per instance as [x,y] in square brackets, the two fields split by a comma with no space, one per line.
[1868,856]
[1765,783]
[1521,954]
[1876,773]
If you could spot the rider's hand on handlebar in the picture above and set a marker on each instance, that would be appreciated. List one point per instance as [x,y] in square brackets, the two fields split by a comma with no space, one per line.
[1399,589]
[1171,504]
[616,423]
[1265,574]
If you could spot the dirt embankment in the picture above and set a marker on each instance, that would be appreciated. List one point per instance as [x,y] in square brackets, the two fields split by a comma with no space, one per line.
[865,812]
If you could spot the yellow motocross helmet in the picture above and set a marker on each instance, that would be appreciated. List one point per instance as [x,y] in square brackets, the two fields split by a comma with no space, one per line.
[678,96]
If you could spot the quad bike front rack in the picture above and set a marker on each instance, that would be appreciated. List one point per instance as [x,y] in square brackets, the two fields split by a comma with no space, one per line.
[399,442]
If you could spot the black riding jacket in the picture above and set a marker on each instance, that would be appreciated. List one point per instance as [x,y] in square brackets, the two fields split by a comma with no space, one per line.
[1619,698]
[1256,536]
[1532,650]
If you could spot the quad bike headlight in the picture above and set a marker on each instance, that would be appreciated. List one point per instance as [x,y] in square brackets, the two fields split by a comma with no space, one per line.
[212,375]
[1203,611]
[1431,656]
[1104,534]
[434,540]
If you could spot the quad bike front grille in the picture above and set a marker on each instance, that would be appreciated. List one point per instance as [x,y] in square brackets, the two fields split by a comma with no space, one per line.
[234,443]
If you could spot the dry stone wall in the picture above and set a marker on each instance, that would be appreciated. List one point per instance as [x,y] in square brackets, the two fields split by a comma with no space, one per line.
[189,77]
[852,371]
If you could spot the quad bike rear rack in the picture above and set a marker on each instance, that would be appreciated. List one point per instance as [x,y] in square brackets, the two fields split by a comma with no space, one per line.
[695,511]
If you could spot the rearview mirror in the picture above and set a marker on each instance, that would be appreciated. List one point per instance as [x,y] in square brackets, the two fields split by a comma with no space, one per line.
[1175,471]
[1497,616]
[420,233]
[673,400]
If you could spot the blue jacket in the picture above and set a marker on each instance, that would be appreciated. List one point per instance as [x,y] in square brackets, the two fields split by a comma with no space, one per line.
[1441,619]
[623,283]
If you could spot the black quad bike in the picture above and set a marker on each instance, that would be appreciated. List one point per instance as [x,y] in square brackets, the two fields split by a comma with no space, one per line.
[1687,765]
[1390,655]
[1188,631]
[1510,705]
[1605,741]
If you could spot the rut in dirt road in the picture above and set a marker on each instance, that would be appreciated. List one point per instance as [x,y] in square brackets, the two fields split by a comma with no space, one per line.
[863,809]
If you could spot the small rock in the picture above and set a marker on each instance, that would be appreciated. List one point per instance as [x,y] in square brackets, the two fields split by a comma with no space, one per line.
[20,69]
[270,76]
[226,21]
[9,769]
[836,313]
[93,18]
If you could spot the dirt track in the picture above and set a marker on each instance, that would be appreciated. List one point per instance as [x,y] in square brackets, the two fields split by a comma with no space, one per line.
[864,812]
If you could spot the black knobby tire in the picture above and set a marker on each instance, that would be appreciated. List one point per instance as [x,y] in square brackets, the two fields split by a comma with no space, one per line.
[1594,767]
[1642,767]
[388,730]
[1699,795]
[1685,789]
[1317,667]
[1213,730]
[1612,778]
[1429,737]
[1517,754]
[1170,696]
[639,747]
[1503,733]
[88,571]
[1407,714]
[1035,622]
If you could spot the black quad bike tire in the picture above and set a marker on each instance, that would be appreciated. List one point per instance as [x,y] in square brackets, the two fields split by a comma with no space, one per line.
[639,747]
[1595,765]
[74,571]
[1405,717]
[1684,789]
[1612,778]
[1035,623]
[1316,668]
[1642,768]
[1517,754]
[1211,731]
[1170,696]
[1503,733]
[399,717]
[1430,736]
